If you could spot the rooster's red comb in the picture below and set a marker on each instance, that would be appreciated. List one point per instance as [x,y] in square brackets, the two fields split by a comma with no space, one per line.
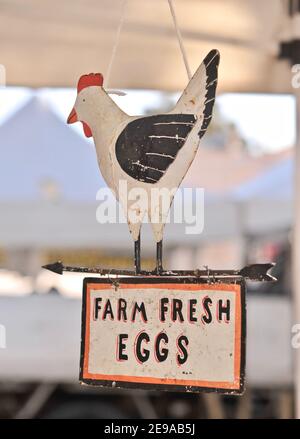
[89,80]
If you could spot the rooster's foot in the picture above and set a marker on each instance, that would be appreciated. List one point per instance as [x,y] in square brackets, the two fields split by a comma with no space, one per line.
[137,255]
[159,267]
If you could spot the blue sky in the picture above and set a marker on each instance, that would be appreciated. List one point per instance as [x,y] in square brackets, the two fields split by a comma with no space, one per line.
[264,120]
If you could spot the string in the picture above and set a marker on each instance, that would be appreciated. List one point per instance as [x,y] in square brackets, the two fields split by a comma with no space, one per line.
[116,43]
[179,37]
[117,40]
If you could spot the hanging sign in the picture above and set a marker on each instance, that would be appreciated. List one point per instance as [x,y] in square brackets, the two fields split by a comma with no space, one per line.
[163,333]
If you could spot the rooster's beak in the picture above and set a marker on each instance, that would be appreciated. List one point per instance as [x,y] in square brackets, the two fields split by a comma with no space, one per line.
[72,117]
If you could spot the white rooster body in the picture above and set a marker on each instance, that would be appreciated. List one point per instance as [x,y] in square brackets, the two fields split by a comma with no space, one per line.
[146,152]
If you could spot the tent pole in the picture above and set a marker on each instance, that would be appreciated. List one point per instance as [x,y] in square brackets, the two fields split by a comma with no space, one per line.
[296,253]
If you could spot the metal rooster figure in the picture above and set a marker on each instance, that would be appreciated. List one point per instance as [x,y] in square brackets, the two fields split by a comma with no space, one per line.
[146,152]
[151,155]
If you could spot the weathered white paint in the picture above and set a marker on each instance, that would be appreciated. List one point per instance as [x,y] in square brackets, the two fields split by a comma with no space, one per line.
[213,350]
[106,120]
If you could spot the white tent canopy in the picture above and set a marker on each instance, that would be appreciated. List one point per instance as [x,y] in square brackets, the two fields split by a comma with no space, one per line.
[51,43]
[43,158]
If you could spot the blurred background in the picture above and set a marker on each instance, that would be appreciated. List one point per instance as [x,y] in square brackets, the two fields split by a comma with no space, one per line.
[49,178]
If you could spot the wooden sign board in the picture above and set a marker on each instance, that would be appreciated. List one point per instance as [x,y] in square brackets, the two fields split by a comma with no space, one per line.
[173,334]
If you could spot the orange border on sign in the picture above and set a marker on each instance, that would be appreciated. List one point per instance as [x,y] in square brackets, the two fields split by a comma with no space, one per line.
[151,380]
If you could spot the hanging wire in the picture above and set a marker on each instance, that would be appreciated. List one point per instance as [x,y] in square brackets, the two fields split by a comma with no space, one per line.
[179,37]
[116,43]
[117,40]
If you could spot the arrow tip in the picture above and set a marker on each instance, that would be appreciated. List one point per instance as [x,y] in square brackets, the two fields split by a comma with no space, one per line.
[258,272]
[56,267]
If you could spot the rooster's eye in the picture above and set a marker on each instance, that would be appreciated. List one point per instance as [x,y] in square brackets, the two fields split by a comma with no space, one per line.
[83,100]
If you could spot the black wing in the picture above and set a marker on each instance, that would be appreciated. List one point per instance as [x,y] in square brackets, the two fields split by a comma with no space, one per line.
[147,146]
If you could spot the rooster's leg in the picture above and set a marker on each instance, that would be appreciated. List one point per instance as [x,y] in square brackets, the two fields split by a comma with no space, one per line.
[159,267]
[137,255]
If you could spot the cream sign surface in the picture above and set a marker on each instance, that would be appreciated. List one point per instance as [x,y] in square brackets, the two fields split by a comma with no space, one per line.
[171,334]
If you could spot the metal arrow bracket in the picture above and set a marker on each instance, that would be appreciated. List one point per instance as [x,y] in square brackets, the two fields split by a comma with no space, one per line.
[254,272]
